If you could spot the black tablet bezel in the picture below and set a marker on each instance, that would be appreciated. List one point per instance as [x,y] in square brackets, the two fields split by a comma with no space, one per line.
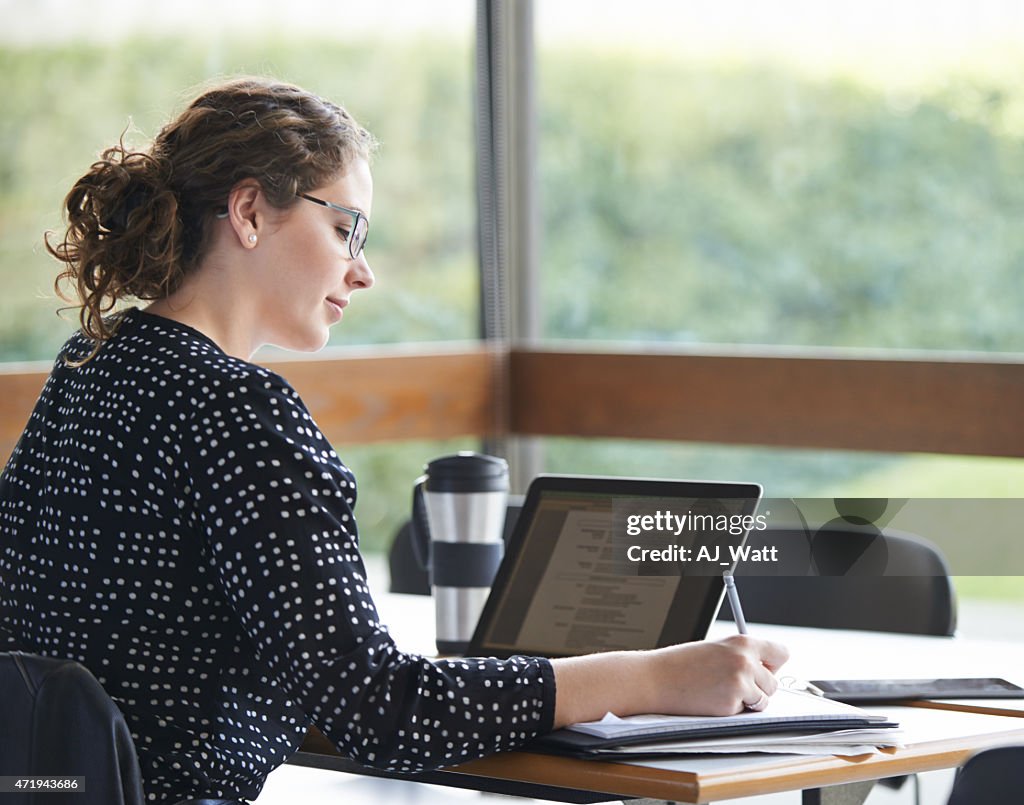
[613,486]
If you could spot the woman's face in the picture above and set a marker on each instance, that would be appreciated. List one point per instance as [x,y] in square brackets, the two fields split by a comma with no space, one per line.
[307,275]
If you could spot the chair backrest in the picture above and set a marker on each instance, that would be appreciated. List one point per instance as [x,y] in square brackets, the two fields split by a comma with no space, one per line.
[992,777]
[57,721]
[849,577]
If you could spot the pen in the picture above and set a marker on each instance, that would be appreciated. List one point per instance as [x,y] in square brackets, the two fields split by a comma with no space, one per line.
[734,602]
[741,627]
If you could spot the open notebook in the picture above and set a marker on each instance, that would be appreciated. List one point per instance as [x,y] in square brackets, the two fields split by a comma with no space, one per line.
[788,711]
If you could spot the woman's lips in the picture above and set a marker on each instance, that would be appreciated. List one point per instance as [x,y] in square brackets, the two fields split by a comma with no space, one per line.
[337,306]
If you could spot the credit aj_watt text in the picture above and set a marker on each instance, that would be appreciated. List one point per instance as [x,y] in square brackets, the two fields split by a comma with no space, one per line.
[705,553]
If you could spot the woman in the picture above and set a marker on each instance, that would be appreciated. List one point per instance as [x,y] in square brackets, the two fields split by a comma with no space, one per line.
[174,519]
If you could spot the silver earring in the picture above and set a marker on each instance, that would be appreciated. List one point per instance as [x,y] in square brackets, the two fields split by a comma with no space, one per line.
[252,238]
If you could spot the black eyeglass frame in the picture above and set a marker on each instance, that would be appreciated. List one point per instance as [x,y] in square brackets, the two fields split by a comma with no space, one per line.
[360,231]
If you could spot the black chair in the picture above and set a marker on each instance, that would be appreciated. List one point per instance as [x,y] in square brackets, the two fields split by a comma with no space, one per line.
[992,777]
[57,721]
[844,576]
[848,577]
[407,575]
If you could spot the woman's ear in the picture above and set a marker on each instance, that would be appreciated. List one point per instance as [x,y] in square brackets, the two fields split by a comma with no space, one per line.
[245,212]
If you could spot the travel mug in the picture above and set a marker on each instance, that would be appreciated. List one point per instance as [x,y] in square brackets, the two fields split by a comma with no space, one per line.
[457,533]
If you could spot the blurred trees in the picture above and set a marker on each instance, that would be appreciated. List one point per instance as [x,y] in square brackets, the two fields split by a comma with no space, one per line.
[752,204]
[692,202]
[66,103]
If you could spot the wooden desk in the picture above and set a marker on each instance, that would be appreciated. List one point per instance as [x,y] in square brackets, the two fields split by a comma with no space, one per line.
[700,779]
[938,737]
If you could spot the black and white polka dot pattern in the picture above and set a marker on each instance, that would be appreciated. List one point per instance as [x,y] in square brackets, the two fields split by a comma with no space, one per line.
[174,519]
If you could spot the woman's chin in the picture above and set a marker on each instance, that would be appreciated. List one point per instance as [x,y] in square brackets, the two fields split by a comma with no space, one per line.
[312,341]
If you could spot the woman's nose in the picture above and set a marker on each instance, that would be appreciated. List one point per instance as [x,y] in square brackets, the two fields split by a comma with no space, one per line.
[360,274]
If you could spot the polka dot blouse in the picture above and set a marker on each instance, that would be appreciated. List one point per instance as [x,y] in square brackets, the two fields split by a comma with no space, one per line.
[173,519]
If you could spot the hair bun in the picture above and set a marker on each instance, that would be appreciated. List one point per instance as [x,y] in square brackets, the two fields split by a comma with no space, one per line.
[136,195]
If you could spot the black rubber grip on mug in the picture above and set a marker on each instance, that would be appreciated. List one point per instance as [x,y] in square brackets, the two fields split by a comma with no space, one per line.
[465,564]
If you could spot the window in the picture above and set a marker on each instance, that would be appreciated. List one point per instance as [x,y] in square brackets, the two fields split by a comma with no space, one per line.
[840,174]
[796,173]
[78,75]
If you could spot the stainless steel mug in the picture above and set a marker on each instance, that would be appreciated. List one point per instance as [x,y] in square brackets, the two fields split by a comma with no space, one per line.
[457,525]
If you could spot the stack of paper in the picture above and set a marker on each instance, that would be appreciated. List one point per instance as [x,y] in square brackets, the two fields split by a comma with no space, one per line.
[793,722]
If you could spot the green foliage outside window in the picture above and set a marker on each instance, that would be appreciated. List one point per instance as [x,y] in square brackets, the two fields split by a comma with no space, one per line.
[65,103]
[754,203]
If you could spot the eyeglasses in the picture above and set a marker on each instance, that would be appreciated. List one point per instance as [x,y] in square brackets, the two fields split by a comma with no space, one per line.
[356,236]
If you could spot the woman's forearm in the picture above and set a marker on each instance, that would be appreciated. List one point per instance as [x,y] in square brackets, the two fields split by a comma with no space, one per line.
[704,678]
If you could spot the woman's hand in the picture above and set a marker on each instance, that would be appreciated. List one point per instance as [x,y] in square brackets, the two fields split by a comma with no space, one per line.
[704,678]
[714,678]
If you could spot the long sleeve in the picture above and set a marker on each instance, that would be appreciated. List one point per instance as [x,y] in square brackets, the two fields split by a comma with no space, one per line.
[174,520]
[275,504]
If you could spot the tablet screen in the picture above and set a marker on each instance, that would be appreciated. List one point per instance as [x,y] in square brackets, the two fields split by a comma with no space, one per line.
[569,585]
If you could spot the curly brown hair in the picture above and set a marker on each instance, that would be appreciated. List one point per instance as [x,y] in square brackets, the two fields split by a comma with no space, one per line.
[137,221]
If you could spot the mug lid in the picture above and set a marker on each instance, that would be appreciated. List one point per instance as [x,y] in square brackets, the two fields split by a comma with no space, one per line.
[467,471]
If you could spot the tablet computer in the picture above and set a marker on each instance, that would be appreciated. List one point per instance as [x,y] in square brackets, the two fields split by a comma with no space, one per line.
[608,563]
[878,690]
